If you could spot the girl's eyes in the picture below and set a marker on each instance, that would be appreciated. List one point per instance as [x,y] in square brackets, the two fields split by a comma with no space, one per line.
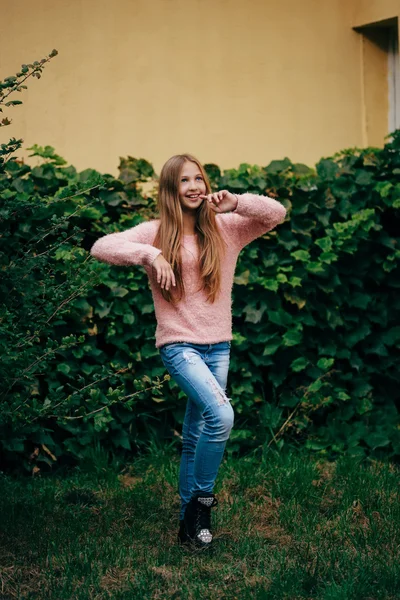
[185,179]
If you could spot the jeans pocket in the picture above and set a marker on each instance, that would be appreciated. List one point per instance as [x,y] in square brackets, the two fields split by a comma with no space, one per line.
[169,350]
[173,345]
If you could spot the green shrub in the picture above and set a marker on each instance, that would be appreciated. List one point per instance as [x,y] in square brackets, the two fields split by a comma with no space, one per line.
[315,310]
[317,307]
[54,368]
[9,87]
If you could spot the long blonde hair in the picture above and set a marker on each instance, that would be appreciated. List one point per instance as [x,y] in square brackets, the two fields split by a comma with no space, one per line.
[170,232]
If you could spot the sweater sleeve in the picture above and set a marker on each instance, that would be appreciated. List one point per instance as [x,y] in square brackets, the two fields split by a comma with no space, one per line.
[253,216]
[130,247]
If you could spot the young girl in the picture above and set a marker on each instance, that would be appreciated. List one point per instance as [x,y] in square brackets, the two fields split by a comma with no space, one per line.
[190,255]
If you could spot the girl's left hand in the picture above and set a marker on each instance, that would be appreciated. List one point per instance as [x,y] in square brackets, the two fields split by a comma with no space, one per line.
[222,201]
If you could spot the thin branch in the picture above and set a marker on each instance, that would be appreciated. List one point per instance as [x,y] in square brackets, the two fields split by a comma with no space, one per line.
[49,231]
[54,200]
[40,359]
[58,287]
[26,254]
[274,438]
[51,248]
[37,69]
[124,370]
[93,281]
[67,300]
[305,395]
[155,386]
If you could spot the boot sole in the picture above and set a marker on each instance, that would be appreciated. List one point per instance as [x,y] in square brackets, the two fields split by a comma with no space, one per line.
[194,544]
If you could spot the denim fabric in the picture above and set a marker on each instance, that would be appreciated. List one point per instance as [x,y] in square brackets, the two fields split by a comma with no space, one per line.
[201,371]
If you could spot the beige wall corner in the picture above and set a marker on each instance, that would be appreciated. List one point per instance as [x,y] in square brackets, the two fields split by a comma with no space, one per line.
[374,76]
[371,11]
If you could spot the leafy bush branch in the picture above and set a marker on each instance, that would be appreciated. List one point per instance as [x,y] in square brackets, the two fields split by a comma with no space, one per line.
[16,83]
[10,85]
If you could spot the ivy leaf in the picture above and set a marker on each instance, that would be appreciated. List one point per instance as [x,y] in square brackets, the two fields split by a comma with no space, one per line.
[119,292]
[361,388]
[356,336]
[277,166]
[364,405]
[328,257]
[300,302]
[120,439]
[280,317]
[302,255]
[295,281]
[253,315]
[271,260]
[327,170]
[359,300]
[377,440]
[102,419]
[281,277]
[316,386]
[272,345]
[128,318]
[287,240]
[324,243]
[270,284]
[299,364]
[13,103]
[315,267]
[292,338]
[383,188]
[364,177]
[147,309]
[392,336]
[261,360]
[104,309]
[325,363]
[243,278]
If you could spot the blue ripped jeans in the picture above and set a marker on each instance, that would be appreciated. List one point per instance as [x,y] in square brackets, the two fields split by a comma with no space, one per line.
[201,371]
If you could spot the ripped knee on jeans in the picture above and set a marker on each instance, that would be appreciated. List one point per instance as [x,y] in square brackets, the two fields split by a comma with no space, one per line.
[219,392]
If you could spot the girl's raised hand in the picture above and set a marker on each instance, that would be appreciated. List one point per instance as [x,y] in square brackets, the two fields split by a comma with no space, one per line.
[222,201]
[164,272]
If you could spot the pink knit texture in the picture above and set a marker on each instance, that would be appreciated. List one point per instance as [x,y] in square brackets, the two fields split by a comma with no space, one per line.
[194,319]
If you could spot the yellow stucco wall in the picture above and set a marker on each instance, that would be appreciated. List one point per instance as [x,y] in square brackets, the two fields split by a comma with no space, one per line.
[374,75]
[370,11]
[228,80]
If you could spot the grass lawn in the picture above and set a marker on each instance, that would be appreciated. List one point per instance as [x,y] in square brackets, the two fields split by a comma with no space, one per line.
[288,526]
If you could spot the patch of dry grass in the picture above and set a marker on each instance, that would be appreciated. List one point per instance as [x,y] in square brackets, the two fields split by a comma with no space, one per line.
[284,530]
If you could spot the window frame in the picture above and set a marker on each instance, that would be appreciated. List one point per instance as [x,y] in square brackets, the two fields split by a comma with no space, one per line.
[394,80]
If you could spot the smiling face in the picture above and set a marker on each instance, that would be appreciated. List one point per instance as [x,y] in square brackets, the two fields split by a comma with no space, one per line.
[191,185]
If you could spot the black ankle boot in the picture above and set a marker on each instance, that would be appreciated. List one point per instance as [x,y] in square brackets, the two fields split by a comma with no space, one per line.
[182,535]
[197,519]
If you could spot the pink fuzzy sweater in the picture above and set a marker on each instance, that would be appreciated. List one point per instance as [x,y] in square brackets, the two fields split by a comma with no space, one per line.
[194,319]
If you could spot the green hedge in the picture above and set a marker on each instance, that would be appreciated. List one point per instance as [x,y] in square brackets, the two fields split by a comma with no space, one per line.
[316,304]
